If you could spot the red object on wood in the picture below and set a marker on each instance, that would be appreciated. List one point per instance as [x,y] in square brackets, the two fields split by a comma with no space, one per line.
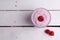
[51,33]
[47,31]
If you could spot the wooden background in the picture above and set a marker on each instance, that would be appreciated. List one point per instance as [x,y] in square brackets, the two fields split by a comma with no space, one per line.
[15,19]
[18,12]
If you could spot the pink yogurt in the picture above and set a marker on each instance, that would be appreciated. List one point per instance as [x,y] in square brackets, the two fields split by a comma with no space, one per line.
[41,17]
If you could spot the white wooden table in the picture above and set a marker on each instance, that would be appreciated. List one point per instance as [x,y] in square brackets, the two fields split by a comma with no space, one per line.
[18,13]
[28,33]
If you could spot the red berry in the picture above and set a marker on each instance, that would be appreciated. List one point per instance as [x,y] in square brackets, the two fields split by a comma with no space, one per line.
[40,18]
[47,31]
[51,33]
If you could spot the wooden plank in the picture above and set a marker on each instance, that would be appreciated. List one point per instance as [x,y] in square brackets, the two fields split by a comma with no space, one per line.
[28,33]
[11,18]
[29,4]
[22,18]
[7,4]
[33,4]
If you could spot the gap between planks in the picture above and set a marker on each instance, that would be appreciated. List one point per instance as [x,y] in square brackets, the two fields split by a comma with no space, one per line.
[28,26]
[26,10]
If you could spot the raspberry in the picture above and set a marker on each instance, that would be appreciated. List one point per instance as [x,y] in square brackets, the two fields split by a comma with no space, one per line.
[51,33]
[47,31]
[40,18]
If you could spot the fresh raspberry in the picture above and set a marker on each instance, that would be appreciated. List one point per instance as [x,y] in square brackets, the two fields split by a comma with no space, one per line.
[51,33]
[40,18]
[47,31]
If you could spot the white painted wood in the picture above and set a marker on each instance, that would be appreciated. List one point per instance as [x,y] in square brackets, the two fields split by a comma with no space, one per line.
[33,4]
[29,4]
[8,33]
[22,18]
[7,5]
[11,18]
[28,33]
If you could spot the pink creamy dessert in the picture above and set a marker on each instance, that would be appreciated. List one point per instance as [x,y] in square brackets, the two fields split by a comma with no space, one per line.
[41,17]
